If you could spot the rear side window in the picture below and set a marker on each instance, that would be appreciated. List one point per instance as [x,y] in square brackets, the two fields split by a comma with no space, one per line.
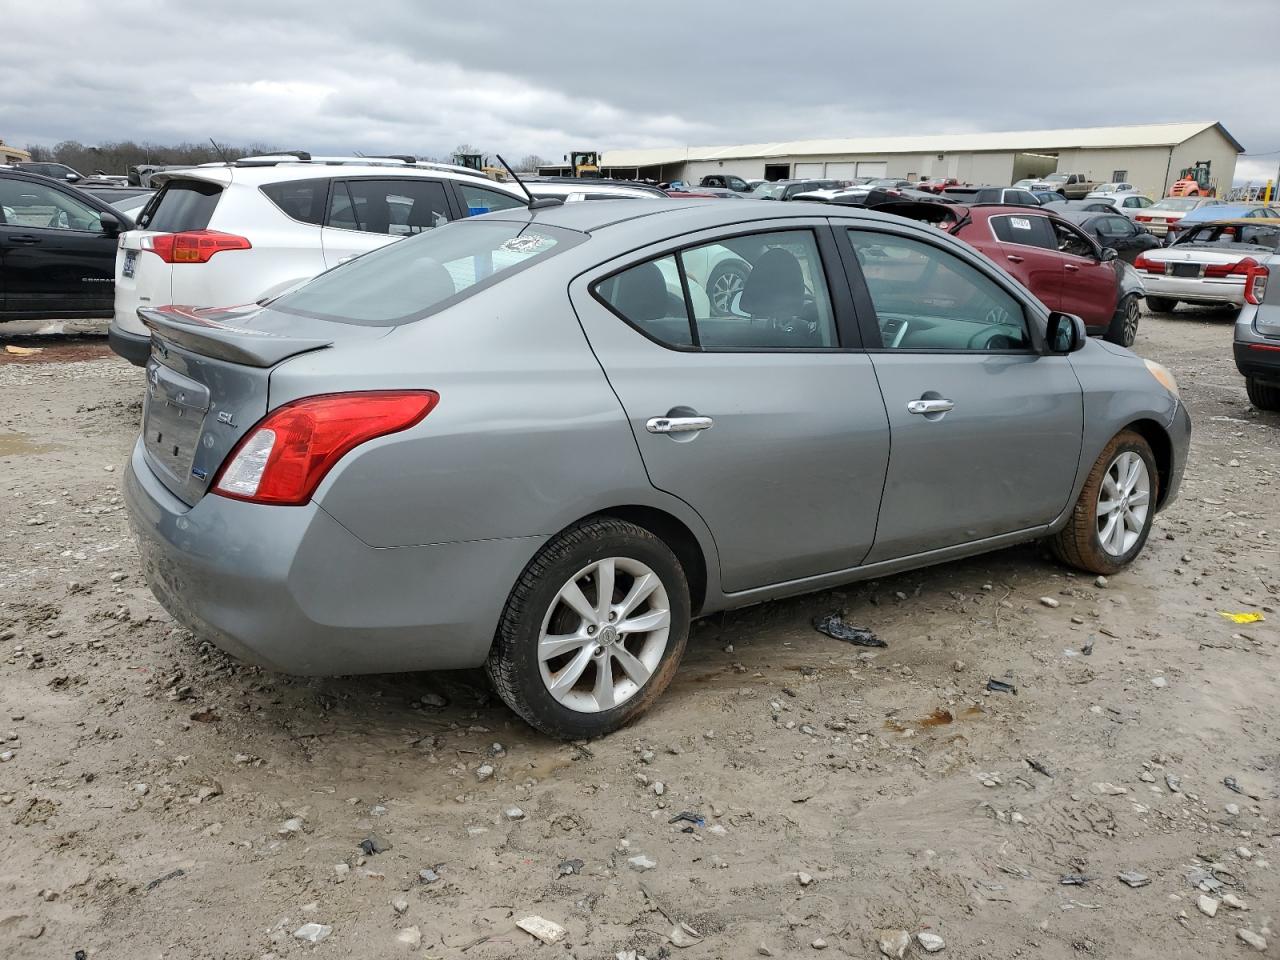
[478,200]
[300,199]
[181,205]
[399,208]
[406,281]
[764,291]
[1026,231]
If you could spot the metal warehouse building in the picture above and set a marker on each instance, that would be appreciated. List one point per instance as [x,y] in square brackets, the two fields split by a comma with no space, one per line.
[1148,155]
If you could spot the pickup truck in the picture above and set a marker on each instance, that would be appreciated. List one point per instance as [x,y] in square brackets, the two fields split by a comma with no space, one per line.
[1073,186]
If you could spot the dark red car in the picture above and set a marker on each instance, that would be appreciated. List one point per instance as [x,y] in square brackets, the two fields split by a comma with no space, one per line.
[1053,258]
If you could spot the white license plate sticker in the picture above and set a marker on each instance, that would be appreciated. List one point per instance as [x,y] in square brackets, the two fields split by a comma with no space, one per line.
[1020,223]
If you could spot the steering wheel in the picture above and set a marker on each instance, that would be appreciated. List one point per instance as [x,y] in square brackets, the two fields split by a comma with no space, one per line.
[991,338]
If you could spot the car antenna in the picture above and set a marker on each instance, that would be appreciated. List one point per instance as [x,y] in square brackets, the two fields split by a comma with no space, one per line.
[538,203]
[219,151]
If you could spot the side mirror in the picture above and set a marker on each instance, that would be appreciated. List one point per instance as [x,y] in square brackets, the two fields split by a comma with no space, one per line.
[72,177]
[1066,333]
[111,224]
[1108,254]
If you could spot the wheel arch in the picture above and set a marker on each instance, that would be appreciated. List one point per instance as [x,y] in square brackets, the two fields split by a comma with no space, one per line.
[676,535]
[1161,448]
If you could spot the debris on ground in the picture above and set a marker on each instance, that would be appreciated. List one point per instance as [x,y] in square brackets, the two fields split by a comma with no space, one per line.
[374,844]
[930,942]
[1133,879]
[17,351]
[313,932]
[567,868]
[171,875]
[1039,767]
[545,930]
[1248,616]
[1001,686]
[1075,879]
[833,626]
[893,943]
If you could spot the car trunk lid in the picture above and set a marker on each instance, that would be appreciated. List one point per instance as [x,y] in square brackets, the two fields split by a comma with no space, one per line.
[208,382]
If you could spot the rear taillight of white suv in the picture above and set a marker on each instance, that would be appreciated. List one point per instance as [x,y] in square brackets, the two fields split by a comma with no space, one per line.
[193,246]
[283,459]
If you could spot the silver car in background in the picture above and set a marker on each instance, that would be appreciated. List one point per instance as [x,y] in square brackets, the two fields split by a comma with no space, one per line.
[1221,263]
[519,441]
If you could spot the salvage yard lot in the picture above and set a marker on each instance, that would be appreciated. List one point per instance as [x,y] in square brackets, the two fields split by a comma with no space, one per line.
[163,800]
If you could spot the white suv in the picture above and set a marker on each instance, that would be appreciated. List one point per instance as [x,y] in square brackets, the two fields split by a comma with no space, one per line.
[231,233]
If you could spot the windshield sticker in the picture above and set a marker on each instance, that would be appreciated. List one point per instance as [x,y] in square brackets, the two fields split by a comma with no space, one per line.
[525,244]
[1020,223]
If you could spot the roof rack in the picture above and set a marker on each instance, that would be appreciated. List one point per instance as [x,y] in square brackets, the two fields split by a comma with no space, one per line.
[399,160]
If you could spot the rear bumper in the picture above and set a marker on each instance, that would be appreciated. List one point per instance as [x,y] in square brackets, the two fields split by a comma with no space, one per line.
[134,347]
[292,590]
[1195,290]
[1257,354]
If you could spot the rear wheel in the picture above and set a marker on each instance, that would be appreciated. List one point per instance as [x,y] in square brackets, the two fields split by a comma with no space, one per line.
[593,631]
[1114,512]
[1264,396]
[1161,304]
[1124,325]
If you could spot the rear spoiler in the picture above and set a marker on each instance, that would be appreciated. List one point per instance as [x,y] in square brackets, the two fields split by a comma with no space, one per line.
[214,333]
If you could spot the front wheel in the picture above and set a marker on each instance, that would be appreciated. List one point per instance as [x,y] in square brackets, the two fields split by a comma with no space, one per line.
[1114,512]
[1161,304]
[1124,325]
[593,631]
[725,282]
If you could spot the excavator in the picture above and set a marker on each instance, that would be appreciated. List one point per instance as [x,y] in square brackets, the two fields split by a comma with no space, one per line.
[1194,182]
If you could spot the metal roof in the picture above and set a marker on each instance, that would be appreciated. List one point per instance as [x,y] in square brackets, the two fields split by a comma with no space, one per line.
[1137,135]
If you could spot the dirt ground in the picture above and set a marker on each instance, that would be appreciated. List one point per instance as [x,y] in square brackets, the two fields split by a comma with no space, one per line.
[160,800]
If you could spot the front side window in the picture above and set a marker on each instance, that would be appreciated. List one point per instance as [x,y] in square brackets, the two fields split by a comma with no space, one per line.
[399,208]
[479,200]
[929,299]
[406,281]
[26,204]
[1072,241]
[1026,231]
[1114,228]
[764,291]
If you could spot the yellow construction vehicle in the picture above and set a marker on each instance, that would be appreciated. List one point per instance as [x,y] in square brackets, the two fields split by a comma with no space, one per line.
[585,163]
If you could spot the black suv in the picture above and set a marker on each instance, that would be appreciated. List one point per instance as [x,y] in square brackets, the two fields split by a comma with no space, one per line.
[1008,196]
[57,250]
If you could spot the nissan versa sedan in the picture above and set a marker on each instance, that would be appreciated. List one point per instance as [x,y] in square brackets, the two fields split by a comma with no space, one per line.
[521,441]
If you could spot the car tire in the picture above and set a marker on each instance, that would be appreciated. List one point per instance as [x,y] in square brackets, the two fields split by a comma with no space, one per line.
[1080,543]
[1161,304]
[1264,396]
[724,283]
[1124,325]
[559,687]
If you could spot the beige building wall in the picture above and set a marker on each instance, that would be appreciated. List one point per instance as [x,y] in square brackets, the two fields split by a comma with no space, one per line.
[1212,146]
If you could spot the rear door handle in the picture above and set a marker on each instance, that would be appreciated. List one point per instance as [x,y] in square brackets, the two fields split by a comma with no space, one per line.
[1014,259]
[678,424]
[930,406]
[1072,267]
[24,238]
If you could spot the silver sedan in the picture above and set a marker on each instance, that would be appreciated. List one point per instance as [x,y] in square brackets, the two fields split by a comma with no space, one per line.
[529,441]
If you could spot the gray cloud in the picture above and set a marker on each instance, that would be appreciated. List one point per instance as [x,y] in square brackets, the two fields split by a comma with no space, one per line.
[402,75]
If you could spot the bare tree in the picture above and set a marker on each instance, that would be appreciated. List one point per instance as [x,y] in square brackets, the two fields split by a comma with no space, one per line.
[533,161]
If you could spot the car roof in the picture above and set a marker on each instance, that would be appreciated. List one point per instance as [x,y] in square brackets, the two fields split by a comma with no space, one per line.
[673,216]
[286,171]
[1240,222]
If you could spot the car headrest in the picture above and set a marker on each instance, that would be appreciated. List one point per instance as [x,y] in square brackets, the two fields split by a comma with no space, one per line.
[774,287]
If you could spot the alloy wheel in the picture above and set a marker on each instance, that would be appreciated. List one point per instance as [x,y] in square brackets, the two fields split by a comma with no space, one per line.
[1132,313]
[1124,503]
[604,635]
[727,286]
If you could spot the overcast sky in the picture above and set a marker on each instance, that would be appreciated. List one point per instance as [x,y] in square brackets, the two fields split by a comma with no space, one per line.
[546,77]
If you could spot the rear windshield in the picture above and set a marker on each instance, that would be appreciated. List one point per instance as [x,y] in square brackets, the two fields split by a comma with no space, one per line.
[1176,203]
[411,278]
[181,205]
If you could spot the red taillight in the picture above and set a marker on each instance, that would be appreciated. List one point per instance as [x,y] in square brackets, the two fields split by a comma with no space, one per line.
[1150,266]
[1255,284]
[1141,219]
[195,246]
[283,459]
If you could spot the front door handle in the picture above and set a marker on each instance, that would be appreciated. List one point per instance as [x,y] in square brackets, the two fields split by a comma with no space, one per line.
[1013,258]
[24,238]
[930,406]
[1073,268]
[678,424]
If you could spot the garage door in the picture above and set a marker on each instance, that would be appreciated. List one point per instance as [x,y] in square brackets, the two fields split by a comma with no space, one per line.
[808,171]
[841,171]
[873,168]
